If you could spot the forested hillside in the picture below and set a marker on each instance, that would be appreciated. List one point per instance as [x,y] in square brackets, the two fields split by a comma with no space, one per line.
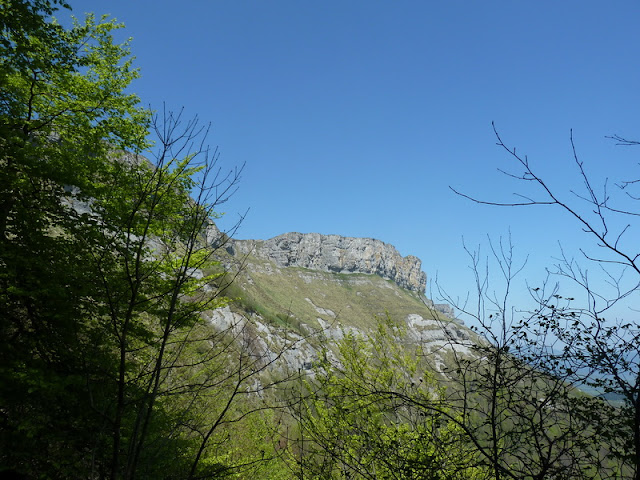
[141,342]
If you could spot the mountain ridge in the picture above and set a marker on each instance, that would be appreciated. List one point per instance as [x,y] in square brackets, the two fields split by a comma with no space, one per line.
[337,254]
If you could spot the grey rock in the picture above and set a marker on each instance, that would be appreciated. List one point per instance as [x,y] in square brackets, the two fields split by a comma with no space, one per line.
[334,253]
[446,309]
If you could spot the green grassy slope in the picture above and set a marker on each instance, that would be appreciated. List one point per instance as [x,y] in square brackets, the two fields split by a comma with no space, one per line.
[296,296]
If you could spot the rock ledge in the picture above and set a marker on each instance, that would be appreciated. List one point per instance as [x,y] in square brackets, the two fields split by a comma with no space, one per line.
[334,253]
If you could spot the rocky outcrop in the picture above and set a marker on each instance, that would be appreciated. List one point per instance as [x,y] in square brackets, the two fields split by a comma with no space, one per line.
[333,253]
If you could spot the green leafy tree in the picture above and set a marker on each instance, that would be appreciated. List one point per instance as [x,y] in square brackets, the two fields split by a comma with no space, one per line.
[354,422]
[62,107]
[106,267]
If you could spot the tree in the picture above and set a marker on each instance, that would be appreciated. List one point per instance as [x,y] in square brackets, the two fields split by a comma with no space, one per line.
[354,422]
[156,274]
[55,125]
[107,268]
[579,341]
[524,418]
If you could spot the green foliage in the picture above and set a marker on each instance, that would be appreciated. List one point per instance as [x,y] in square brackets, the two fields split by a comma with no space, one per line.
[54,122]
[355,425]
[101,254]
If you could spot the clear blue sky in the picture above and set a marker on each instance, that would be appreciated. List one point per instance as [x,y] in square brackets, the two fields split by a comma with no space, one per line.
[355,117]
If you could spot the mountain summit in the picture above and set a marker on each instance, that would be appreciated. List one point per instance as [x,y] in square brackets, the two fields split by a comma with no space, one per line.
[337,254]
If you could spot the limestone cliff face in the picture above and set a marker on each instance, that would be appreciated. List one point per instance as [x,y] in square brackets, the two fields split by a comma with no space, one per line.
[333,253]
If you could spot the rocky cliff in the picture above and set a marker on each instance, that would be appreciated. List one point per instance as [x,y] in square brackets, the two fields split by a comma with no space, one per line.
[333,253]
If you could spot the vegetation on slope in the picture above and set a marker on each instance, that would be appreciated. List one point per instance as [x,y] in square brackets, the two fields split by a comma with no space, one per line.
[108,368]
[301,296]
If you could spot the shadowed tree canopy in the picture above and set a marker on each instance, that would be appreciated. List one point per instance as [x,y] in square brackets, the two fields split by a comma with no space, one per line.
[104,265]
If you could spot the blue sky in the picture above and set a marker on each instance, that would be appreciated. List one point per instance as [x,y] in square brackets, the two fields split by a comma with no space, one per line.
[355,117]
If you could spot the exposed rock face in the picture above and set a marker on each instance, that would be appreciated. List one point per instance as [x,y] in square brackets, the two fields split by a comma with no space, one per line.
[333,253]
